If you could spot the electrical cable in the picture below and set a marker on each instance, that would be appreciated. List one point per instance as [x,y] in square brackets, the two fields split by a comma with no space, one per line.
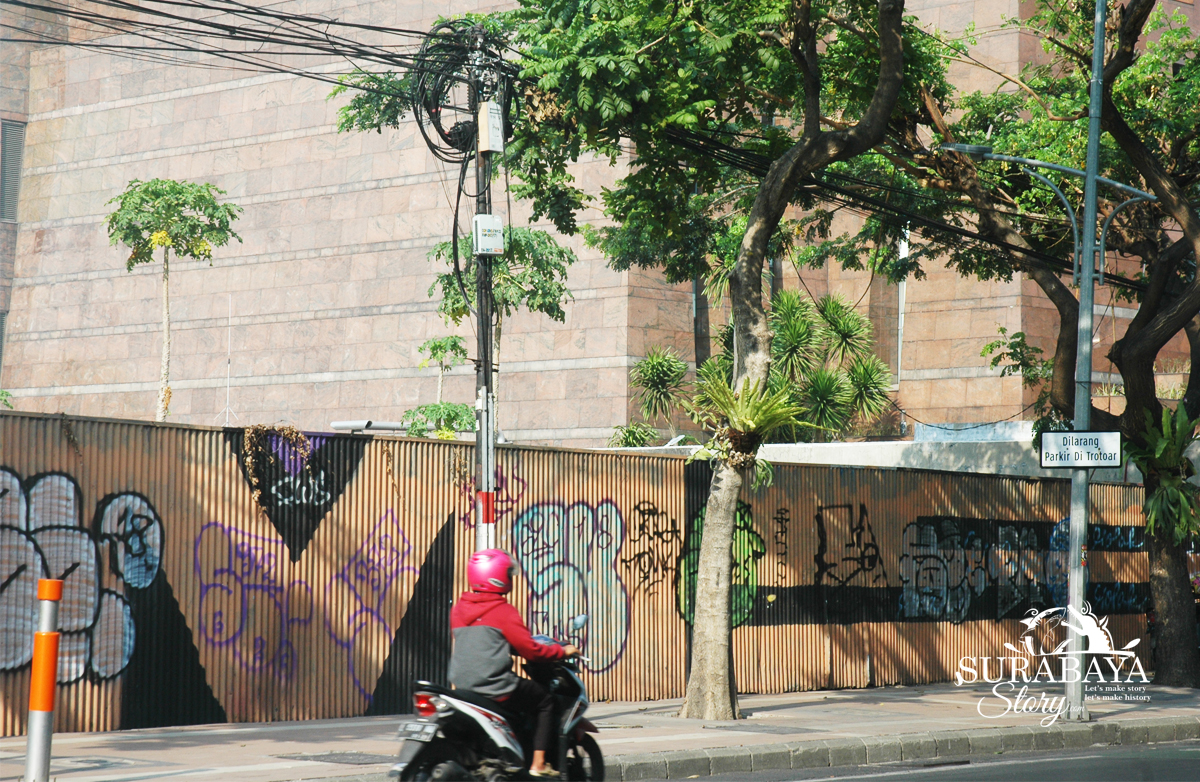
[462,289]
[909,415]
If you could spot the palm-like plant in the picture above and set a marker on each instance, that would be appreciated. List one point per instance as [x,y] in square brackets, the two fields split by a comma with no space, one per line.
[825,397]
[799,335]
[824,378]
[848,332]
[869,380]
[659,381]
[742,420]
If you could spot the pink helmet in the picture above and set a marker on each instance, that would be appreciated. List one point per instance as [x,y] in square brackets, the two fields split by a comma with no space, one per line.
[490,570]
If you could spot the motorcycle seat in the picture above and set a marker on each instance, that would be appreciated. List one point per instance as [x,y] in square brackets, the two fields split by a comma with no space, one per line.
[482,701]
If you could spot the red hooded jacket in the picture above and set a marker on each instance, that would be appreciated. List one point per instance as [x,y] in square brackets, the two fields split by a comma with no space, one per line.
[487,631]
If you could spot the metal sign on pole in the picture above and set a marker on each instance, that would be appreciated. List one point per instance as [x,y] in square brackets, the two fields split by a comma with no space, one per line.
[1080,449]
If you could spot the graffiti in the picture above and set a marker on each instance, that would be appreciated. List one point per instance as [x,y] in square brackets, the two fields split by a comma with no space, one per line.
[947,565]
[42,535]
[1105,538]
[569,554]
[361,589]
[1116,598]
[510,489]
[297,493]
[247,604]
[420,650]
[747,549]
[859,563]
[654,545]
[781,519]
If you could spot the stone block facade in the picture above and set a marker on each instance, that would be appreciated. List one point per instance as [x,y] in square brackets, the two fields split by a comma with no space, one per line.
[318,312]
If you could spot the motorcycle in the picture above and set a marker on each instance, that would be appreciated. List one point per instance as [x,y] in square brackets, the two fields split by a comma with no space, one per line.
[458,735]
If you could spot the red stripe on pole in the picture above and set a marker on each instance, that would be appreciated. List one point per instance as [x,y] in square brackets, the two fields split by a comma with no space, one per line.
[45,671]
[50,589]
[487,507]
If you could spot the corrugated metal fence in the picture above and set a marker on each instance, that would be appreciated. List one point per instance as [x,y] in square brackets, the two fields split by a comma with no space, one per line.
[186,601]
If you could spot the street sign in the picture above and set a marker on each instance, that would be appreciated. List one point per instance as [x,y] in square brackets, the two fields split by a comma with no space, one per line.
[1081,449]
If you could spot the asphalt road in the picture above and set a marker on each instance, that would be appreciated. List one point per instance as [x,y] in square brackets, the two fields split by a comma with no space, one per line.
[1176,762]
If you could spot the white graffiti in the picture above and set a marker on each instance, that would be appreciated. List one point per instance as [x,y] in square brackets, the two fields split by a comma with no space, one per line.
[569,557]
[943,570]
[43,535]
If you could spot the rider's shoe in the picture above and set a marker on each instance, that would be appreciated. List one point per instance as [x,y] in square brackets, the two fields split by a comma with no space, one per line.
[547,771]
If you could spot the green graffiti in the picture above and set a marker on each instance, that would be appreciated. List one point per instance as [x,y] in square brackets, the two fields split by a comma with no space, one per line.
[747,549]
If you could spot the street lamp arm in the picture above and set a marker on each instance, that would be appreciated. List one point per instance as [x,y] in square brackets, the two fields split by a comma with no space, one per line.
[1072,171]
[978,152]
[1074,224]
[1104,231]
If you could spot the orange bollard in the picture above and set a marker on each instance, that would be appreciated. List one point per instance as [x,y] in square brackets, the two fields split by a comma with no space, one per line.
[42,682]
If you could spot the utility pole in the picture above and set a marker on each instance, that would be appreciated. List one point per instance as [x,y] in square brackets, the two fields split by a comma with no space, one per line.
[488,240]
[1077,572]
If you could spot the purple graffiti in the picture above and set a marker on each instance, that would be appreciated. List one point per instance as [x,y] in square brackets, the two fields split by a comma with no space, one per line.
[361,590]
[289,457]
[510,489]
[247,604]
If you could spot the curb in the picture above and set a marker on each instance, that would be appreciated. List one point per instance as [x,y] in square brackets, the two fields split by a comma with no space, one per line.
[682,764]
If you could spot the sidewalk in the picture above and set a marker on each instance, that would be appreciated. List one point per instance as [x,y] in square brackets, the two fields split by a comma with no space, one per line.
[640,740]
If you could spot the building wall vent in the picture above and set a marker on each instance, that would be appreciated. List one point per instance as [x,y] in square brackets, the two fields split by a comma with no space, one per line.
[12,146]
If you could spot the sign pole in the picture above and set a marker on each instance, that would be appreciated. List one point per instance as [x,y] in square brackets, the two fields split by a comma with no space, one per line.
[1076,710]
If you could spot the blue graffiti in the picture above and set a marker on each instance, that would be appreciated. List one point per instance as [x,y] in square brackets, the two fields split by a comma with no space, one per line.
[1105,538]
[569,556]
[1117,598]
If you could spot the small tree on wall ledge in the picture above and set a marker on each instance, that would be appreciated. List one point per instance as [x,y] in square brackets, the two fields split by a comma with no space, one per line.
[181,216]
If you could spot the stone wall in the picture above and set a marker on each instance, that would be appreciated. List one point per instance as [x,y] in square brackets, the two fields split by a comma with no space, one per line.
[327,288]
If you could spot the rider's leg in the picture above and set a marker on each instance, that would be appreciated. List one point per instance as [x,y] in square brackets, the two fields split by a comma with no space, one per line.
[532,697]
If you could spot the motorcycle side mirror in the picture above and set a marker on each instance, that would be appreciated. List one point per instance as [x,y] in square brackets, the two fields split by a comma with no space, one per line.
[577,622]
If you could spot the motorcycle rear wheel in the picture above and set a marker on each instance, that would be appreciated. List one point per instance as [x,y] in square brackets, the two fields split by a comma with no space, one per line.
[585,761]
[422,766]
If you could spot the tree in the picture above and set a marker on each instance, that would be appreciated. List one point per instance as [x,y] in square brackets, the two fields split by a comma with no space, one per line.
[532,274]
[6,399]
[799,83]
[444,419]
[657,77]
[446,352]
[1151,114]
[181,216]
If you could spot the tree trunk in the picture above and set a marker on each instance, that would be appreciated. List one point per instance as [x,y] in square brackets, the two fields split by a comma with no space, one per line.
[441,374]
[711,690]
[164,382]
[1176,658]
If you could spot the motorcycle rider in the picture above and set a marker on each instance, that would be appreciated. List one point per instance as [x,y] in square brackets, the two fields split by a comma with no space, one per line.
[487,631]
